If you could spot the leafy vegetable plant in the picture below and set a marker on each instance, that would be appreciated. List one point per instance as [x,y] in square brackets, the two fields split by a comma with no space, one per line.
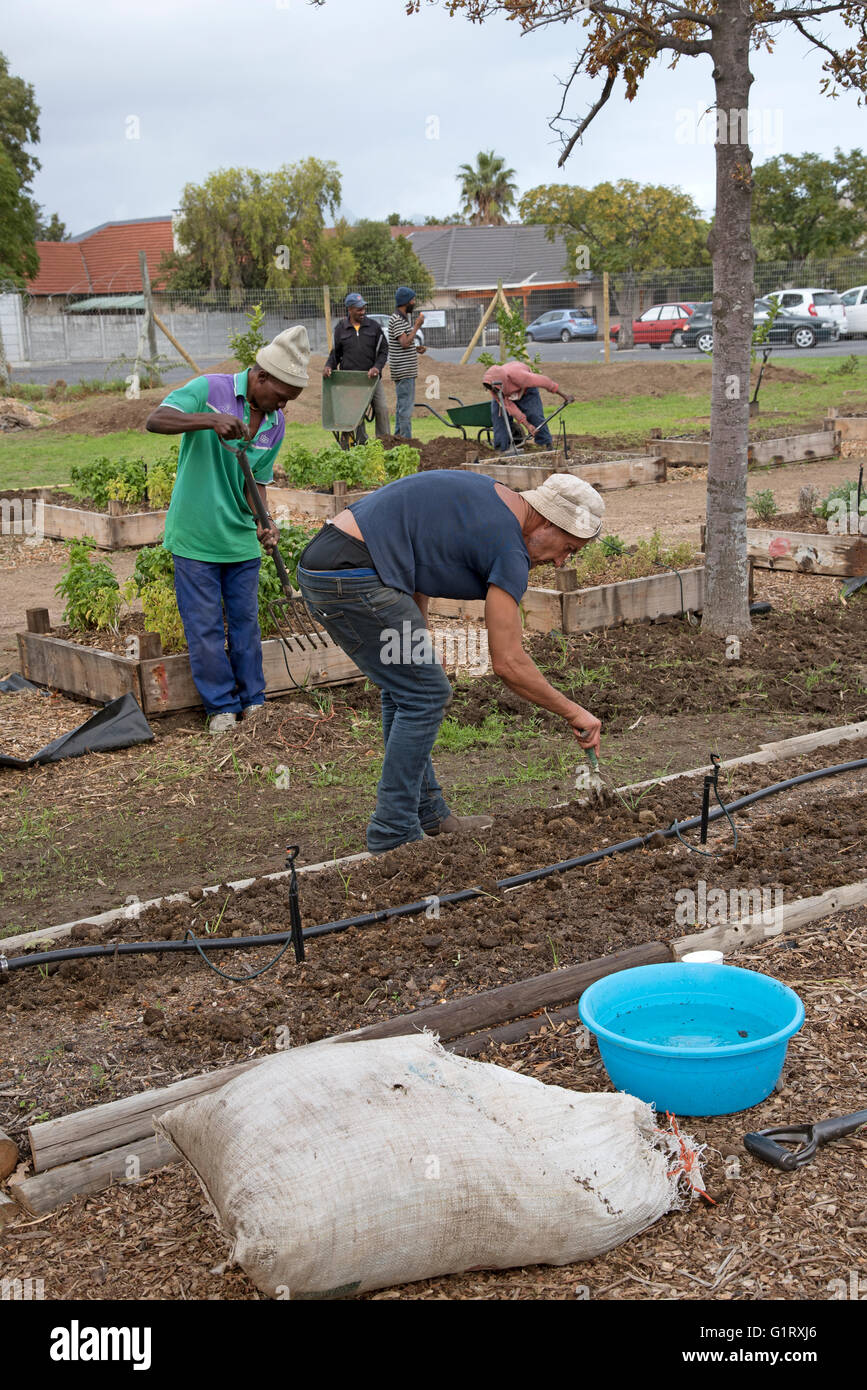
[90,588]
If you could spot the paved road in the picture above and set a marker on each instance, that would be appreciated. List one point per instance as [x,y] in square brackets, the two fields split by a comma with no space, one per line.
[588,353]
[572,353]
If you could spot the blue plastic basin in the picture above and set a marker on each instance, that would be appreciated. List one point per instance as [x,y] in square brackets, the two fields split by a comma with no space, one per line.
[692,1039]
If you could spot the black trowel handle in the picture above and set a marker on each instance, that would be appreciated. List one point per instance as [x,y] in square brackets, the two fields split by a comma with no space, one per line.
[838,1126]
[762,1146]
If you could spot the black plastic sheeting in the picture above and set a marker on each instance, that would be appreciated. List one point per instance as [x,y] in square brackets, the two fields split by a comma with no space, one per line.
[118,725]
[16,682]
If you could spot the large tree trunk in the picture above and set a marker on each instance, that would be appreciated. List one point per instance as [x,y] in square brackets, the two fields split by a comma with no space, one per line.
[627,308]
[727,604]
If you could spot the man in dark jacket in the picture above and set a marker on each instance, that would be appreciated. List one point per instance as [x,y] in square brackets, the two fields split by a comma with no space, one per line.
[361,346]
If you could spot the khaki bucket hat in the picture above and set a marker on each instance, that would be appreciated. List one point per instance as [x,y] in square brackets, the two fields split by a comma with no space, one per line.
[287,357]
[569,503]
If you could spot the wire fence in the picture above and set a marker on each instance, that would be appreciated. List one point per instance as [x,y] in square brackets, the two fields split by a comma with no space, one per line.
[62,329]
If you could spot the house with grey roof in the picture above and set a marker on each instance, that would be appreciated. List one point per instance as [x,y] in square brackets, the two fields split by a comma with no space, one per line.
[467,262]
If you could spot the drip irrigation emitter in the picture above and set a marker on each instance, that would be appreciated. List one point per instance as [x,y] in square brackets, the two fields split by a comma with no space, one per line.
[370,919]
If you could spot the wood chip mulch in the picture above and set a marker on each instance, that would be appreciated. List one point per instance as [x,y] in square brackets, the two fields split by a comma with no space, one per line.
[769,1235]
[29,719]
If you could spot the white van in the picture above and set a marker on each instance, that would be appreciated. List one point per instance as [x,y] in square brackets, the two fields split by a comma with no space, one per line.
[855,304]
[821,304]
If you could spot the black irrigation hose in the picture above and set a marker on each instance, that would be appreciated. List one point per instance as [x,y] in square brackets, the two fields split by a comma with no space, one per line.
[384,914]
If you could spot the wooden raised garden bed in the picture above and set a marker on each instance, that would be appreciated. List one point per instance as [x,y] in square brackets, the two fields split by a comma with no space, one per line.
[311,503]
[807,551]
[851,432]
[762,453]
[626,472]
[162,684]
[111,530]
[604,605]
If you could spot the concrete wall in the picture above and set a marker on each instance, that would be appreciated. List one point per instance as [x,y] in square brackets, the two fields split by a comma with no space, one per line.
[36,337]
[12,327]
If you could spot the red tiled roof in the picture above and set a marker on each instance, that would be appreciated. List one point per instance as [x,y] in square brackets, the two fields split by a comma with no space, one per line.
[62,269]
[104,260]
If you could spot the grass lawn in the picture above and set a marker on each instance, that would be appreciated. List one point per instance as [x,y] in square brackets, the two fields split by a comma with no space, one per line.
[28,460]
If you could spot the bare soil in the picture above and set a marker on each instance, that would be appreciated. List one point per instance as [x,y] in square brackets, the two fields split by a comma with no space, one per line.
[106,415]
[794,521]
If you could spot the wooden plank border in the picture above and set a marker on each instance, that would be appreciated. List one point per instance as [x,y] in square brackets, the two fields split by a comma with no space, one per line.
[604,605]
[616,473]
[164,684]
[111,530]
[807,552]
[761,453]
[309,502]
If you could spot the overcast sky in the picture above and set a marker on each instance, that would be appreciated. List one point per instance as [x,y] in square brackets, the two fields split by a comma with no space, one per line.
[397,101]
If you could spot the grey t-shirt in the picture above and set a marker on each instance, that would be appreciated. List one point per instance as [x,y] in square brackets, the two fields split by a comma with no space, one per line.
[446,534]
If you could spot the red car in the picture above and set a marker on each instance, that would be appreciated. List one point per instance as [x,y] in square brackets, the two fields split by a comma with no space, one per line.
[664,323]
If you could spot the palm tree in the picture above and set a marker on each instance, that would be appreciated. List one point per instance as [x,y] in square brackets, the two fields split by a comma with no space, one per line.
[487,190]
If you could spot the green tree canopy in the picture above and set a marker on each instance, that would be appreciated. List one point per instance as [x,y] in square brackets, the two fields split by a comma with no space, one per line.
[487,189]
[19,122]
[381,259]
[242,228]
[18,257]
[805,206]
[624,225]
[19,127]
[50,229]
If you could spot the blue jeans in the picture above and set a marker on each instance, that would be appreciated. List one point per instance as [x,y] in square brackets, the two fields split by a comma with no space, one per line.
[383,631]
[227,680]
[531,405]
[405,392]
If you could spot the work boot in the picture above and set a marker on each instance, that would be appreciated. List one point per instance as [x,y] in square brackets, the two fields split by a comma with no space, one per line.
[463,825]
[221,723]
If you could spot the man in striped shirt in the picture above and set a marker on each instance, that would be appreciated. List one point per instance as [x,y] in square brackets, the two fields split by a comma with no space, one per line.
[403,351]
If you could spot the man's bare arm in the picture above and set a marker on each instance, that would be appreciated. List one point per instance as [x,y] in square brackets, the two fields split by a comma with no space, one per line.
[515,668]
[166,420]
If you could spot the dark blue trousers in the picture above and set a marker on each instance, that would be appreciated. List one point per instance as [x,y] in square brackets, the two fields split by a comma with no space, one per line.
[227,675]
[531,406]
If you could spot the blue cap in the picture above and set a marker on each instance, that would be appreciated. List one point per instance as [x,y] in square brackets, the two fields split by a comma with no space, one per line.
[404,295]
[354,301]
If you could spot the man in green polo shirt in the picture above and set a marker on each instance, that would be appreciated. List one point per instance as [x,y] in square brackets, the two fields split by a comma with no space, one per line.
[210,527]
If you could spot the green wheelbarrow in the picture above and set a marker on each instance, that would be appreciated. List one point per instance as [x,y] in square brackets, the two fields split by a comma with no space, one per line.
[346,401]
[465,417]
[478,417]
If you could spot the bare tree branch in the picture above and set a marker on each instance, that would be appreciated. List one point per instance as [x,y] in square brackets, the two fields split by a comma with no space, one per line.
[813,39]
[594,110]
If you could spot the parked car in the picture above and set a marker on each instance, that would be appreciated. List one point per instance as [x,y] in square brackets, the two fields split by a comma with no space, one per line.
[663,323]
[855,304]
[817,304]
[565,324]
[799,330]
[382,320]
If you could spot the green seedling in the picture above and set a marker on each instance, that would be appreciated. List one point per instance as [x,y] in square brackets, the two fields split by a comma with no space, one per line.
[554,954]
[212,930]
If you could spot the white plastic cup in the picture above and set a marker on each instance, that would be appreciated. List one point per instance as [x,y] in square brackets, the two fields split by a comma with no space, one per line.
[702,958]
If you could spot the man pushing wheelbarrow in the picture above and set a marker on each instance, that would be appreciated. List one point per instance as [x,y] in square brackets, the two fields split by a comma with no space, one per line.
[360,346]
